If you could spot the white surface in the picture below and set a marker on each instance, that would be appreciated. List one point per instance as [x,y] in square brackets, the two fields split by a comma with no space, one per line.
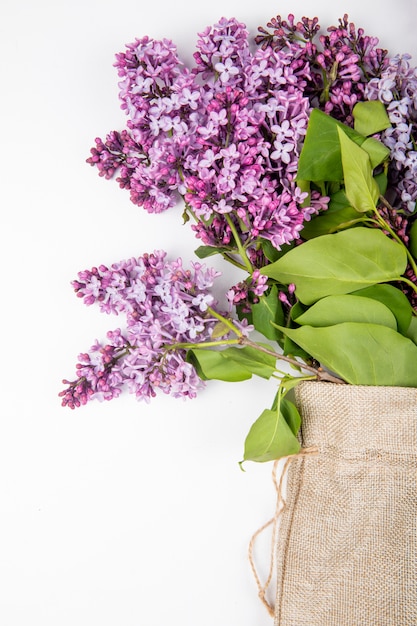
[121,513]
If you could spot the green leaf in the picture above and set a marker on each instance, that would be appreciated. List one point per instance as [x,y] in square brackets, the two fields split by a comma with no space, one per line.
[394,299]
[413,239]
[377,152]
[212,364]
[270,438]
[202,252]
[361,354]
[382,182]
[412,330]
[267,311]
[255,361]
[272,253]
[290,348]
[347,308]
[361,189]
[370,117]
[219,330]
[330,221]
[339,263]
[232,364]
[320,159]
[291,415]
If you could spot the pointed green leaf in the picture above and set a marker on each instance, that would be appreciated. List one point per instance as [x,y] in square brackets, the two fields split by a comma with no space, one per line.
[291,415]
[211,364]
[270,438]
[232,364]
[339,263]
[330,221]
[412,330]
[382,182]
[413,239]
[377,152]
[394,299]
[370,117]
[361,189]
[266,312]
[272,253]
[219,330]
[361,354]
[253,360]
[347,308]
[290,348]
[320,158]
[202,252]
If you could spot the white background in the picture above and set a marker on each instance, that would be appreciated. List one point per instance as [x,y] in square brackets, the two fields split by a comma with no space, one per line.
[121,513]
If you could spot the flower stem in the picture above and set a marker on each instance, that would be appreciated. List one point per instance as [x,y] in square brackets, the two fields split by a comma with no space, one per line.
[241,249]
[224,320]
[204,344]
[318,373]
[408,282]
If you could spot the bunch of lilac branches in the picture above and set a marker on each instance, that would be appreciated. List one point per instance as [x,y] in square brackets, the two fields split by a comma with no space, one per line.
[224,136]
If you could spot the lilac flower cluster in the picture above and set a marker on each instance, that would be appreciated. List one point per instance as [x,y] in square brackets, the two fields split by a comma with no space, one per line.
[165,306]
[224,135]
[248,292]
[341,64]
[397,89]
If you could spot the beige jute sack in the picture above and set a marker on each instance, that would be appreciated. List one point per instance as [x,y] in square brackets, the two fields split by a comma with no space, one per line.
[347,543]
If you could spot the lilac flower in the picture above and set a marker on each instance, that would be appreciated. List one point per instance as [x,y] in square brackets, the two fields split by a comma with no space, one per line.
[165,306]
[224,135]
[337,69]
[396,88]
[246,293]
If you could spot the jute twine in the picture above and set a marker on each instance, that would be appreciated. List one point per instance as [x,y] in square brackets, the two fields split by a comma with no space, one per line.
[274,522]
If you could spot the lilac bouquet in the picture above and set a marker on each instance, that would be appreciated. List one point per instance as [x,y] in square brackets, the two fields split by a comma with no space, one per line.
[294,156]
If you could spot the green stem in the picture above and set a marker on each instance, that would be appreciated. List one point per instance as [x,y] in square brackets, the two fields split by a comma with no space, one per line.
[349,224]
[241,249]
[204,344]
[318,373]
[408,282]
[228,257]
[224,320]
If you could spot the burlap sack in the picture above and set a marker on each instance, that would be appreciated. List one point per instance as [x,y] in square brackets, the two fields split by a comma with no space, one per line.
[347,545]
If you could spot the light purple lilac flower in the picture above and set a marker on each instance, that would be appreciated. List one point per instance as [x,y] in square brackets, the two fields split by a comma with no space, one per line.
[165,306]
[397,89]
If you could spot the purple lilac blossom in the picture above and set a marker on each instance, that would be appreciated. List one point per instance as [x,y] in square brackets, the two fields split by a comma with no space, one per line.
[340,63]
[164,305]
[248,292]
[397,89]
[224,135]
